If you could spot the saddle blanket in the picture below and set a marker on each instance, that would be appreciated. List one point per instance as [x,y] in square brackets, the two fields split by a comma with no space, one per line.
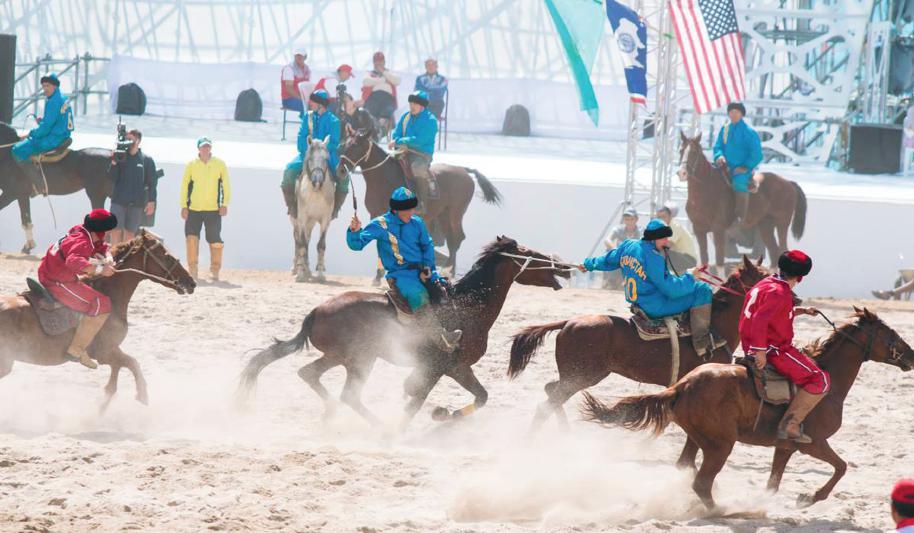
[53,317]
[770,386]
[652,329]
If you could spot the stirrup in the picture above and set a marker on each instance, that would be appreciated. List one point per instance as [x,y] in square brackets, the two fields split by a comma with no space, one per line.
[802,438]
[450,345]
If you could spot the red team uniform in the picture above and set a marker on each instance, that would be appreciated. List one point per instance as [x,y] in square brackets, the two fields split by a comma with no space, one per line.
[63,261]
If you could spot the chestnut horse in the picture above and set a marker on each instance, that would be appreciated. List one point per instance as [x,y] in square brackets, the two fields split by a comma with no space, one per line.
[145,257]
[354,329]
[710,205]
[716,405]
[589,348]
[383,174]
[80,169]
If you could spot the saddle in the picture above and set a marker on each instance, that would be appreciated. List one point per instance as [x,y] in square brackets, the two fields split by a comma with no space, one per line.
[652,329]
[411,180]
[54,155]
[54,317]
[770,386]
[437,296]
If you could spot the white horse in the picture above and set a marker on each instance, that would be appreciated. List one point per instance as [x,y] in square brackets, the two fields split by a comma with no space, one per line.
[314,190]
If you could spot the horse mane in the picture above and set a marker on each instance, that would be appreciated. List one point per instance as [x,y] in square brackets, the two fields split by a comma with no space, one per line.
[120,251]
[860,317]
[7,133]
[720,298]
[482,273]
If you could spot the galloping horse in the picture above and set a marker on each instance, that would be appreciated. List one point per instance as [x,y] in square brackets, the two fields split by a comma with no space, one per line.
[710,204]
[314,192]
[354,329]
[80,169]
[144,257]
[443,215]
[716,405]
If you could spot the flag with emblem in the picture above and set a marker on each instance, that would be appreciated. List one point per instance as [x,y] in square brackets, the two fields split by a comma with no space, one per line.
[631,38]
[711,48]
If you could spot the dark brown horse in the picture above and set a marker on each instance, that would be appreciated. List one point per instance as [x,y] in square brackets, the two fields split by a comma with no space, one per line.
[710,205]
[145,257]
[80,169]
[716,405]
[589,348]
[444,215]
[354,329]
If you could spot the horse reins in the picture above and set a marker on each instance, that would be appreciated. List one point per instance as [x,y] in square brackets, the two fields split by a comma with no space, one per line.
[868,346]
[523,261]
[147,253]
[716,281]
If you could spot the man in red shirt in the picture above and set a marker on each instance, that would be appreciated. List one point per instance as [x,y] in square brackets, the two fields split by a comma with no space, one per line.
[81,253]
[766,331]
[903,505]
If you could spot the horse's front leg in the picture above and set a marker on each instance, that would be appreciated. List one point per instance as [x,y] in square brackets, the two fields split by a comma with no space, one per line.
[128,362]
[301,255]
[321,249]
[464,376]
[702,238]
[305,247]
[720,243]
[25,216]
[822,450]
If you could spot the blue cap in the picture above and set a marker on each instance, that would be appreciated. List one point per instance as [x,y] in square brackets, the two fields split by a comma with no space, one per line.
[403,199]
[419,97]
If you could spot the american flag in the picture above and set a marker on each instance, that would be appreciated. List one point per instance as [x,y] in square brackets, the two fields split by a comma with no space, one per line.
[712,51]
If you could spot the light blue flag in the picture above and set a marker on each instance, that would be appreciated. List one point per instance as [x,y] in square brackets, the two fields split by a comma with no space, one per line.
[580,26]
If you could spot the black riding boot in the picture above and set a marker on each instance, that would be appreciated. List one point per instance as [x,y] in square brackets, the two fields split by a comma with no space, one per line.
[288,194]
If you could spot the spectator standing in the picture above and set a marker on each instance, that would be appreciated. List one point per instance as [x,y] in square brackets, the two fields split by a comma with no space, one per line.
[435,85]
[135,184]
[293,75]
[903,505]
[683,253]
[628,229]
[379,91]
[205,195]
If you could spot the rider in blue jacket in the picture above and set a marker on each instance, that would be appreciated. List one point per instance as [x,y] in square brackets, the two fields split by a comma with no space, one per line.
[739,147]
[407,253]
[55,128]
[650,286]
[416,132]
[319,124]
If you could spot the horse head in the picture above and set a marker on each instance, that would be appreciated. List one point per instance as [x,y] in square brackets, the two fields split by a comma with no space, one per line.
[356,151]
[742,279]
[691,156]
[148,257]
[880,342]
[527,266]
[317,162]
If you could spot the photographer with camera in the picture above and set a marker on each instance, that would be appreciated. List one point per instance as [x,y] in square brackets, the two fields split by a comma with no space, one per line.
[336,87]
[135,180]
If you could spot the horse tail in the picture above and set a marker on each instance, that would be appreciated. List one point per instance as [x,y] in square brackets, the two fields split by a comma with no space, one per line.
[489,192]
[648,411]
[277,351]
[526,343]
[799,213]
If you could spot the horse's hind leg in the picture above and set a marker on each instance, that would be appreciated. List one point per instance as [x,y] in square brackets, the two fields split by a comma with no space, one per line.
[687,457]
[6,366]
[557,392]
[714,457]
[766,230]
[778,464]
[455,238]
[822,450]
[311,374]
[356,374]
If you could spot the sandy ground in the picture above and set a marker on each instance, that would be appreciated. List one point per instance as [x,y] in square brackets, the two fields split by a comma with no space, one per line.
[191,462]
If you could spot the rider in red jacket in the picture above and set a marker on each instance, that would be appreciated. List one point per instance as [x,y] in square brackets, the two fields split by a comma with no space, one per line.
[81,253]
[766,331]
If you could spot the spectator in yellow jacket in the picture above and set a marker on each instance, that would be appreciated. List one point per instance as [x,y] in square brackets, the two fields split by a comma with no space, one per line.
[205,195]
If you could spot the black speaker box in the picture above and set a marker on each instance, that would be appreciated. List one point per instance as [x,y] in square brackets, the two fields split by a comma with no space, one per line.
[875,149]
[7,76]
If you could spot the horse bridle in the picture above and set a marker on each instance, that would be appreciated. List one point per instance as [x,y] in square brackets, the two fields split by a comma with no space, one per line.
[523,261]
[895,356]
[365,156]
[147,253]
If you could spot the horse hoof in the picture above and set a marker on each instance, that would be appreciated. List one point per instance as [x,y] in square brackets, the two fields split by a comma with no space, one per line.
[321,278]
[375,282]
[805,500]
[143,398]
[440,414]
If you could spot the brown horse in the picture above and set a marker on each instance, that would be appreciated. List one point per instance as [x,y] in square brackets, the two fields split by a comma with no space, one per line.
[145,257]
[710,205]
[354,329]
[589,348]
[80,169]
[716,405]
[444,215]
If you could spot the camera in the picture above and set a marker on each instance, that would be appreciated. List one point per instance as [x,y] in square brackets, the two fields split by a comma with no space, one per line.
[123,143]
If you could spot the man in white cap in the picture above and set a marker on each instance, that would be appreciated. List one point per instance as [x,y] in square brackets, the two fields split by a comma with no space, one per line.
[682,251]
[293,75]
